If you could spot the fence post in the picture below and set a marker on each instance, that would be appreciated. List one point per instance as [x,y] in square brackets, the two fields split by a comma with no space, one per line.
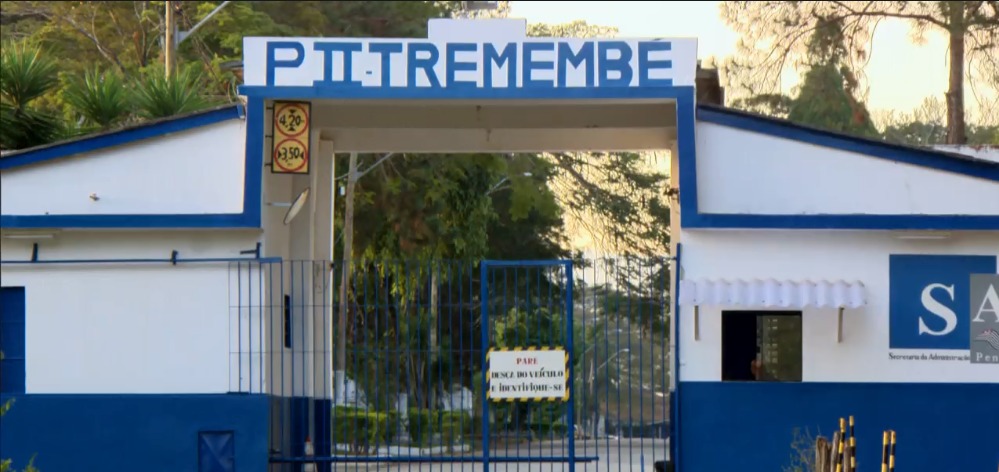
[484,322]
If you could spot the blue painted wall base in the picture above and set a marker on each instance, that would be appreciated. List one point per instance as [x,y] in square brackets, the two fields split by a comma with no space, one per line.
[151,433]
[750,426]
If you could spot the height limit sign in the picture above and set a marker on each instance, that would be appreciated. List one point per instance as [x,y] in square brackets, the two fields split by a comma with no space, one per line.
[526,374]
[291,133]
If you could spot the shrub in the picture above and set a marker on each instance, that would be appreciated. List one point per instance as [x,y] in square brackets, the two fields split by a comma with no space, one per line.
[361,429]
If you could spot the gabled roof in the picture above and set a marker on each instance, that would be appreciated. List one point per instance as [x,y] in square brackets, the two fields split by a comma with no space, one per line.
[91,146]
[924,157]
[93,142]
[693,218]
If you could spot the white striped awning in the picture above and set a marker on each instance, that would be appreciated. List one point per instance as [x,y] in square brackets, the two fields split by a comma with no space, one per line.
[772,293]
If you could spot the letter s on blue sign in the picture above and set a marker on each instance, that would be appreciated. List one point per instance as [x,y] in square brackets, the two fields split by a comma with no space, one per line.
[939,309]
[929,298]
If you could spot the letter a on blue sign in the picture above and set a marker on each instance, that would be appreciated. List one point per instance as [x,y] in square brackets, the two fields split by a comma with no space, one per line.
[929,298]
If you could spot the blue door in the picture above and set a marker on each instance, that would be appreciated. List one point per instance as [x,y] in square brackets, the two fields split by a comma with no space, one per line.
[12,343]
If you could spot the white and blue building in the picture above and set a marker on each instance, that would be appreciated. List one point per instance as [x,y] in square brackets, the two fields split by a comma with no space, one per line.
[844,264]
[130,338]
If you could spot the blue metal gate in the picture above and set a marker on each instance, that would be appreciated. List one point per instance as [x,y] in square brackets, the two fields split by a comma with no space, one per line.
[527,308]
[412,387]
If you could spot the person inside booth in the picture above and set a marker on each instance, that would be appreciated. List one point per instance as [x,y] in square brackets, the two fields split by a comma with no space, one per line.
[758,369]
[761,346]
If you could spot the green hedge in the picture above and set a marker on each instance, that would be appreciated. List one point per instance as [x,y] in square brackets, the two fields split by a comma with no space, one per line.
[361,429]
[451,425]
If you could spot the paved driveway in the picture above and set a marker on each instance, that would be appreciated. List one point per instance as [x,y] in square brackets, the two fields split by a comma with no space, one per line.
[624,455]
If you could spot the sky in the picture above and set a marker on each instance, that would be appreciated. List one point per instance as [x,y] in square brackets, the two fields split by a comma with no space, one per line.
[900,74]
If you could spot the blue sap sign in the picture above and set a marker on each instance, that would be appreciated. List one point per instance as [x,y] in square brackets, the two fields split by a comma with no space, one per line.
[929,299]
[523,63]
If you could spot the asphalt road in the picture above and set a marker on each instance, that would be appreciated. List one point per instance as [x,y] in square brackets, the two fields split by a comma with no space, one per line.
[624,455]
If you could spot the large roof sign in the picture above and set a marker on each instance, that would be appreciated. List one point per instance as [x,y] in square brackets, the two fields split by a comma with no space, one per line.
[480,62]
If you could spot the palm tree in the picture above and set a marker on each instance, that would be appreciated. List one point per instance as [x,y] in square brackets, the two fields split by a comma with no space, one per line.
[159,97]
[24,76]
[100,99]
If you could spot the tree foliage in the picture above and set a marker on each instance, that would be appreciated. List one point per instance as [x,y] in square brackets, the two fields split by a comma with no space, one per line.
[775,37]
[827,95]
[26,74]
[617,199]
[100,99]
[123,40]
[925,126]
[159,96]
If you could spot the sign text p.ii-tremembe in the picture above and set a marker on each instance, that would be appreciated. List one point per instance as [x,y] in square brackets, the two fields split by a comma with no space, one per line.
[526,64]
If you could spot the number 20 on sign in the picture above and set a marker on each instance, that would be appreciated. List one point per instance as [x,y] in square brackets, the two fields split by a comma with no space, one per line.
[291,133]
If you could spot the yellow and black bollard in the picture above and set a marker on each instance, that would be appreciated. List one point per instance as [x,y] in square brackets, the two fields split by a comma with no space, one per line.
[839,449]
[891,455]
[853,448]
[884,451]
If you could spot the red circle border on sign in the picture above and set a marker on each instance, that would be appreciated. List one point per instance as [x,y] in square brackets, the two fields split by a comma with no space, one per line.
[305,125]
[277,162]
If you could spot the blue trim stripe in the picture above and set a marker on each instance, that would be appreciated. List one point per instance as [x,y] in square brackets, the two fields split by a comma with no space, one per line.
[692,218]
[846,222]
[254,168]
[215,220]
[250,217]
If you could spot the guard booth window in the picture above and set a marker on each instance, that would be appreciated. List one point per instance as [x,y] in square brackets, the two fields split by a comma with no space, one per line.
[761,346]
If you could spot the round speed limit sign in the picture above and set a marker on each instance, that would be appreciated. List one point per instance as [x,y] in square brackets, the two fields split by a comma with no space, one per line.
[291,155]
[291,120]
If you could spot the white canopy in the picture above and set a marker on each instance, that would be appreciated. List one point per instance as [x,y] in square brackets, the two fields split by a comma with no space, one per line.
[773,293]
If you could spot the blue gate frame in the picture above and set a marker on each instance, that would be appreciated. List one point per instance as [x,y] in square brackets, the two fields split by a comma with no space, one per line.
[487,342]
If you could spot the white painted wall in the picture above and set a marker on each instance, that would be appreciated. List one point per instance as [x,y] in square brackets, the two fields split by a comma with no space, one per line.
[814,255]
[137,328]
[191,172]
[791,178]
[306,367]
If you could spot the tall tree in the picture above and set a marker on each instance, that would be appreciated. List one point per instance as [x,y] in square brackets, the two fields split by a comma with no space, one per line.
[826,98]
[615,198]
[415,213]
[775,36]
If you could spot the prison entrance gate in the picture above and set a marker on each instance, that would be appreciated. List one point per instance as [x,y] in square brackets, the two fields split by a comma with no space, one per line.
[529,365]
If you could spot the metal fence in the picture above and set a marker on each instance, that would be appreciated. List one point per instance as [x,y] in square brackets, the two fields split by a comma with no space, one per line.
[405,385]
